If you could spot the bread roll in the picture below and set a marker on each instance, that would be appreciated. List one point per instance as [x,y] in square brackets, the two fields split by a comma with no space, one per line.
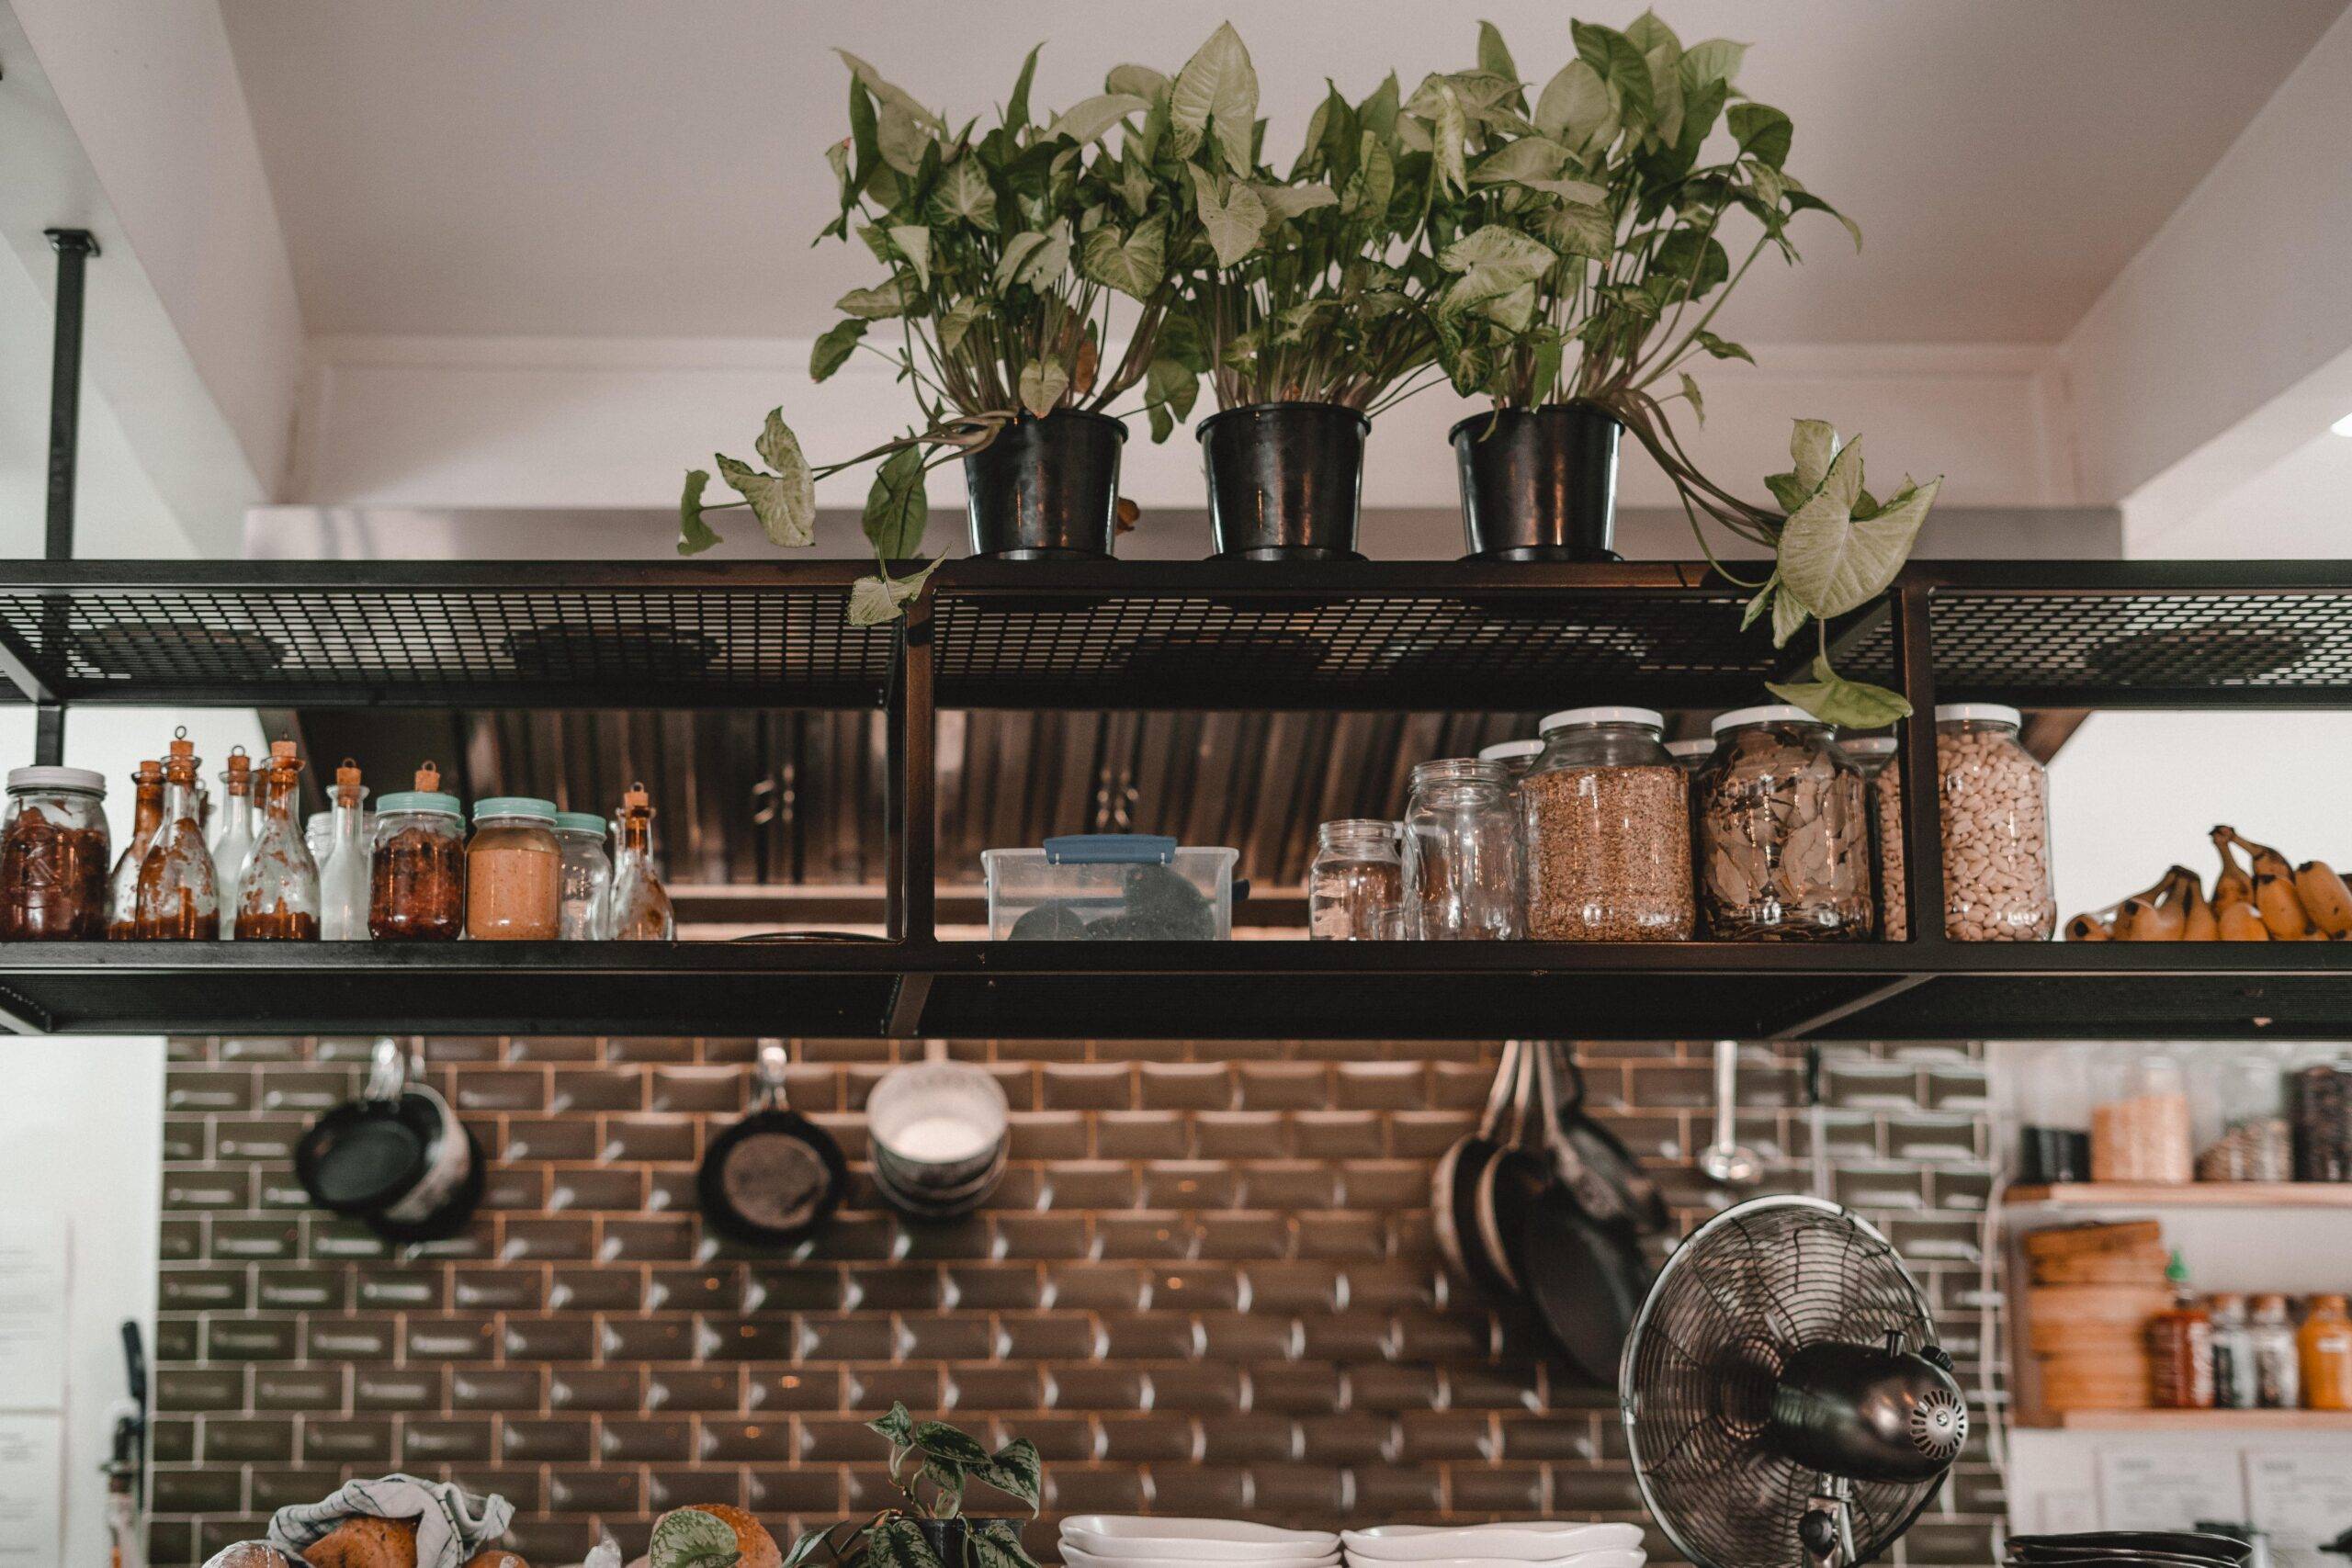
[364,1542]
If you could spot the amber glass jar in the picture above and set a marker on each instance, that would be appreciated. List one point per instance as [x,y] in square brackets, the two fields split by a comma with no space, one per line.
[54,854]
[416,881]
[514,872]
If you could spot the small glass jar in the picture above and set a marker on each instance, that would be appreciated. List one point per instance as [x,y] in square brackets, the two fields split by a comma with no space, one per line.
[2243,1134]
[587,874]
[416,882]
[514,872]
[1605,817]
[1356,883]
[1691,755]
[53,855]
[1784,833]
[1461,853]
[1517,757]
[1997,828]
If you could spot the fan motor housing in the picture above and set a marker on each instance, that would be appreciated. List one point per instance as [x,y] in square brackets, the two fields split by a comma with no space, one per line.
[1867,1414]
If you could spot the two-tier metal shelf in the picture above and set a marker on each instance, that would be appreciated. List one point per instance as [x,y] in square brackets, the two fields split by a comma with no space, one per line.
[1461,636]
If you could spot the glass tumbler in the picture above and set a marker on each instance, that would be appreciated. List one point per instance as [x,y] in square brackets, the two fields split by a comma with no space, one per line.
[1461,853]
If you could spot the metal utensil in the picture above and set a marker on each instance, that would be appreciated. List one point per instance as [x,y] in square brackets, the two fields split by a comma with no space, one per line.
[1724,1162]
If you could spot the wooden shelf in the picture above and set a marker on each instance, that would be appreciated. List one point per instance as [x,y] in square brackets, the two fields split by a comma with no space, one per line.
[2186,1195]
[2205,1421]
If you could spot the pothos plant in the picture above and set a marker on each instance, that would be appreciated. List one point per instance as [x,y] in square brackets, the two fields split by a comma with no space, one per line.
[1001,273]
[1304,286]
[931,1463]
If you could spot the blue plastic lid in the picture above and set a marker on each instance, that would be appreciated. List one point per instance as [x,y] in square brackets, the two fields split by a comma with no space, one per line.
[1111,849]
[421,800]
[515,805]
[580,822]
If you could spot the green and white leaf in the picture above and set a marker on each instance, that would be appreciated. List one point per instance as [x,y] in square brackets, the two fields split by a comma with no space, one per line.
[964,193]
[1091,119]
[687,1539]
[1449,141]
[1139,81]
[1527,161]
[956,320]
[1649,35]
[1216,93]
[811,1541]
[1016,1470]
[898,508]
[899,1425]
[1576,106]
[1494,54]
[834,347]
[785,500]
[1170,388]
[1284,202]
[943,1441]
[1811,447]
[1576,229]
[882,302]
[993,1548]
[1789,617]
[913,242]
[1043,382]
[1045,262]
[1833,699]
[1690,392]
[895,1542]
[888,95]
[1834,561]
[1495,262]
[1233,223]
[1716,60]
[694,536]
[1134,263]
[1017,251]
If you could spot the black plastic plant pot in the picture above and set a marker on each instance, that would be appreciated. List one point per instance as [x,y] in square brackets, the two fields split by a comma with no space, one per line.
[1538,484]
[951,1539]
[1046,489]
[1284,480]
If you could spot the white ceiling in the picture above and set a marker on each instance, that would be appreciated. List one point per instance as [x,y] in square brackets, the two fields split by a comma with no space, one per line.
[626,168]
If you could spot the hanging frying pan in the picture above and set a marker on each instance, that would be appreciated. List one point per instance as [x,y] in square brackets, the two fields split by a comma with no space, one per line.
[1515,1178]
[1454,1184]
[396,1157]
[773,1177]
[1585,1278]
[1608,1180]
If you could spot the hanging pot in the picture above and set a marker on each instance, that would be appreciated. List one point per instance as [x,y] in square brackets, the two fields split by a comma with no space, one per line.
[397,1159]
[1046,489]
[1538,484]
[939,1135]
[775,1176]
[1585,1276]
[1284,480]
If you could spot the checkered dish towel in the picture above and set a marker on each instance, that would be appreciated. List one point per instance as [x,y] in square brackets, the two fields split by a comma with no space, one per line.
[450,1526]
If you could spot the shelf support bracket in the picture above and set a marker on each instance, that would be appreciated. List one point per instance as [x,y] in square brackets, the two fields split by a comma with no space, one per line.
[1923,829]
[74,248]
[910,811]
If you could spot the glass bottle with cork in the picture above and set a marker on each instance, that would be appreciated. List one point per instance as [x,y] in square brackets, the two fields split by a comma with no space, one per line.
[637,908]
[123,889]
[2180,1347]
[235,844]
[277,898]
[343,879]
[417,881]
[179,897]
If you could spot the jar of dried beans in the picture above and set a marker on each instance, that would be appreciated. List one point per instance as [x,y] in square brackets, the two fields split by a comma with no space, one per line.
[1605,814]
[514,872]
[54,854]
[1997,828]
[416,879]
[1784,833]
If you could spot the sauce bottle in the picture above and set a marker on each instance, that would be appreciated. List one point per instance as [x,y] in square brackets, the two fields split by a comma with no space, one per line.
[2180,1347]
[2326,1346]
[2277,1360]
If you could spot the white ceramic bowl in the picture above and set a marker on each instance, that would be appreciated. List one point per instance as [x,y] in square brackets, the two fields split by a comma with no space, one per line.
[1547,1544]
[1194,1532]
[1166,1555]
[1622,1557]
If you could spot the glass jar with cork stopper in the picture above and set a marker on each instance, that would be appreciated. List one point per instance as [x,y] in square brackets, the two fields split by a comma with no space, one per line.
[277,897]
[638,909]
[416,888]
[345,874]
[179,897]
[234,844]
[123,887]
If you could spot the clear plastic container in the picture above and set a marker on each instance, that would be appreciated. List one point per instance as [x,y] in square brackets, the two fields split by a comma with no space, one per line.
[1110,888]
[1461,853]
[1997,828]
[514,872]
[417,887]
[1356,884]
[1784,833]
[54,854]
[1605,822]
[587,874]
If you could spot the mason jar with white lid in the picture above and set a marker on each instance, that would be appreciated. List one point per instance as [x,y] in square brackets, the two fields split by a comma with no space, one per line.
[1516,756]
[1997,828]
[1784,831]
[1605,814]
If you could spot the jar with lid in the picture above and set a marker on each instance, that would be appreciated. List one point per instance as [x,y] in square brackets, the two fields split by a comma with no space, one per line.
[1875,754]
[277,894]
[587,874]
[1605,815]
[416,882]
[1784,835]
[53,855]
[1517,758]
[179,897]
[1995,827]
[2140,1124]
[514,872]
[2278,1360]
[2319,1099]
[1460,853]
[122,886]
[637,908]
[2241,1118]
[1356,883]
[2054,1113]
[2325,1351]
[1691,754]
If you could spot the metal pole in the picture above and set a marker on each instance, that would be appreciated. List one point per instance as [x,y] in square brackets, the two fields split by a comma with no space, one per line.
[1923,832]
[74,248]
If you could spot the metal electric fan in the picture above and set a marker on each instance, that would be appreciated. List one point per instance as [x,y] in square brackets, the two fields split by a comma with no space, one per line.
[1785,1401]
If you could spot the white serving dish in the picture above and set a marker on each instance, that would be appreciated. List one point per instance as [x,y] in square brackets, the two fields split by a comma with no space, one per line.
[1619,1557]
[1548,1543]
[1194,1552]
[1193,1533]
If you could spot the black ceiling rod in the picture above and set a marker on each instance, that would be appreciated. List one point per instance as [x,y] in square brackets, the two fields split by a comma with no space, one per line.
[74,248]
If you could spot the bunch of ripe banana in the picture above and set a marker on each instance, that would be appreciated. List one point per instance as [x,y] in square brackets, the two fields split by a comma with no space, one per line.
[2265,898]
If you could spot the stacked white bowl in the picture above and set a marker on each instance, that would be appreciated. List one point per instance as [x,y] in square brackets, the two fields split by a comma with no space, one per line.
[1125,1541]
[1542,1543]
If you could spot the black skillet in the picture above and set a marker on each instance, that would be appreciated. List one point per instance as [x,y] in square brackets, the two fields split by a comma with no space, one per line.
[773,1177]
[1454,1184]
[1515,1178]
[1584,1278]
[1607,1179]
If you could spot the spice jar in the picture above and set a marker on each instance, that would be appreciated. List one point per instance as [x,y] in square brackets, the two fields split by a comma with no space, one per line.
[2140,1130]
[587,874]
[2244,1134]
[2278,1360]
[1461,853]
[54,854]
[179,899]
[1784,850]
[122,885]
[1995,827]
[278,893]
[1605,817]
[416,885]
[2325,1351]
[514,872]
[1356,882]
[2320,1106]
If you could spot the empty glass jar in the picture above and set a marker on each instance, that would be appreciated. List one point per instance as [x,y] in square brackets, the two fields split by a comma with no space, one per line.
[1785,845]
[1356,884]
[587,874]
[1461,853]
[1606,822]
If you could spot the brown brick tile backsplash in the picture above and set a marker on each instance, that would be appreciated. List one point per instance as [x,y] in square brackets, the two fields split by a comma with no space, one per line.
[1207,1285]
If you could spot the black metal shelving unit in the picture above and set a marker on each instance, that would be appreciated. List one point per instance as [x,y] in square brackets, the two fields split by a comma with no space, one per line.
[1212,635]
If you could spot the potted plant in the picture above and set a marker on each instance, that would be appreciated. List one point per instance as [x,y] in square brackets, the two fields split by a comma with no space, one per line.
[931,1463]
[997,311]
[1584,255]
[1300,300]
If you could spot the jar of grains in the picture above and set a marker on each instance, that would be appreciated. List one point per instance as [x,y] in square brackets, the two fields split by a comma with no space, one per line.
[1605,815]
[1997,828]
[416,881]
[1356,884]
[1784,835]
[514,872]
[1460,853]
[53,855]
